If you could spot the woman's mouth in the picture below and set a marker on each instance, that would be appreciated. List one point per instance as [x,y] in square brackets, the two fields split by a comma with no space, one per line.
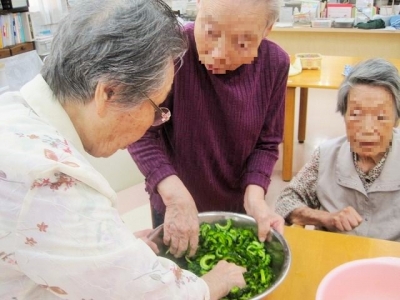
[367,144]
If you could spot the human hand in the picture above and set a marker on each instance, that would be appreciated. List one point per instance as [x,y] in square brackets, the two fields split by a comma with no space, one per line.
[143,235]
[181,225]
[223,277]
[345,220]
[256,206]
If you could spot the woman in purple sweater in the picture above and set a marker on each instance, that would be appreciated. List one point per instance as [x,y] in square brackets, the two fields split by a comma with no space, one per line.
[218,150]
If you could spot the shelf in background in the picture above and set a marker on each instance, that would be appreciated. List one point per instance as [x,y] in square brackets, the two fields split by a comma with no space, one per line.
[338,41]
[16,49]
[14,10]
[334,30]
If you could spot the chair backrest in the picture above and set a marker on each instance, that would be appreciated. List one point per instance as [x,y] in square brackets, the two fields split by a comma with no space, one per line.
[18,70]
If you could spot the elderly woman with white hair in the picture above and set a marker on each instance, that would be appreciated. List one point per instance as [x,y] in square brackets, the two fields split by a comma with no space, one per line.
[110,66]
[352,183]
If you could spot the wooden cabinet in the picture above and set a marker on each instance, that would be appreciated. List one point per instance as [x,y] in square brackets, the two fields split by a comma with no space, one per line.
[5,53]
[21,48]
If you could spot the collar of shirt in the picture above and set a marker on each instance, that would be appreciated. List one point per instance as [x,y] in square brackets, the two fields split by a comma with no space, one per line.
[369,178]
[388,178]
[36,92]
[42,101]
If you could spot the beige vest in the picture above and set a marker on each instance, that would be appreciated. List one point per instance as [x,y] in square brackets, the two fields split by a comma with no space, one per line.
[339,186]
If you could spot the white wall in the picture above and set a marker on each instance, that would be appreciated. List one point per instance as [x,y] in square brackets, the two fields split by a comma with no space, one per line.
[119,169]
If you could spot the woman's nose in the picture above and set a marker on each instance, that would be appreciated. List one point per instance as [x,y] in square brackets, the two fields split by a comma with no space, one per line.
[219,52]
[368,125]
[221,49]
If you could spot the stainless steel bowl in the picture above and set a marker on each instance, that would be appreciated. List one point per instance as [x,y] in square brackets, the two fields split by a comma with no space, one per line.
[277,246]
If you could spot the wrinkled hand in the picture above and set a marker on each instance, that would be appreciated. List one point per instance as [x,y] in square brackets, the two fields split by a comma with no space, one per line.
[181,229]
[143,235]
[223,277]
[256,207]
[181,224]
[345,220]
[265,218]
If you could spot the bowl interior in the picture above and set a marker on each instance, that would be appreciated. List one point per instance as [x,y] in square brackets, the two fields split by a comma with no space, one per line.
[277,246]
[365,279]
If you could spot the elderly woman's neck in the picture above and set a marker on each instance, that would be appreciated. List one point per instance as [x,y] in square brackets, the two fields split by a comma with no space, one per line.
[82,120]
[367,163]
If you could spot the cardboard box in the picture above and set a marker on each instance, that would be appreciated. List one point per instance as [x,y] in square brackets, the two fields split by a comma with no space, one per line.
[339,10]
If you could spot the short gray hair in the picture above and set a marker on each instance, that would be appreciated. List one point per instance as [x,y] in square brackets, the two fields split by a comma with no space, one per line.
[128,44]
[373,72]
[274,7]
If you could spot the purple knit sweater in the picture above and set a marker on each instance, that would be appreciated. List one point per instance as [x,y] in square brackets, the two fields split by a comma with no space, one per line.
[224,131]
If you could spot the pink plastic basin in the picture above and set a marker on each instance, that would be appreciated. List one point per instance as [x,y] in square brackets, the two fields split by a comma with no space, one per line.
[365,279]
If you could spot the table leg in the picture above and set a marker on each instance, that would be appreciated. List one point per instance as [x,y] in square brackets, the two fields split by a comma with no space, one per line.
[301,136]
[288,135]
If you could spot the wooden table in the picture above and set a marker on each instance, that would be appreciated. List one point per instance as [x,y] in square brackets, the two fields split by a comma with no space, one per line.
[329,77]
[315,253]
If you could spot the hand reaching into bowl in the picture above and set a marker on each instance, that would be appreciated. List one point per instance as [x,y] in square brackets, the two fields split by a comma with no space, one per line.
[256,207]
[181,225]
[223,277]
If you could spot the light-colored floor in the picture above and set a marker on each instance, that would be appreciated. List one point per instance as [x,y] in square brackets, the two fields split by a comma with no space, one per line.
[322,123]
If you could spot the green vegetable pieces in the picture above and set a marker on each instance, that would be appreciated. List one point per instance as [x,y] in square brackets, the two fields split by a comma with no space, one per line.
[237,245]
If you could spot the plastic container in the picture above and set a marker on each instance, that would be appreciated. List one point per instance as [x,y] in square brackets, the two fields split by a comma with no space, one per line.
[310,61]
[344,23]
[43,45]
[179,5]
[321,23]
[364,279]
[191,9]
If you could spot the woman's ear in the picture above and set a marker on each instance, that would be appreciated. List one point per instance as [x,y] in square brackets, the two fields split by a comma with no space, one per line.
[267,31]
[102,96]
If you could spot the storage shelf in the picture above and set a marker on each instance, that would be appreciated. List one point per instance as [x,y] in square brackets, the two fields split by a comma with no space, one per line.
[334,30]
[14,10]
[338,41]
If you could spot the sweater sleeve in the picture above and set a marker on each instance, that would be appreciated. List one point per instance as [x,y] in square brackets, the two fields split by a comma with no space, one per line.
[302,190]
[150,156]
[263,158]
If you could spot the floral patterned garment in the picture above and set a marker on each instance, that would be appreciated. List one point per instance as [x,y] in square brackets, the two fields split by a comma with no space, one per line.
[60,234]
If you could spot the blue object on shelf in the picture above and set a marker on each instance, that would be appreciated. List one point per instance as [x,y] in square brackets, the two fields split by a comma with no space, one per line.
[347,70]
[395,21]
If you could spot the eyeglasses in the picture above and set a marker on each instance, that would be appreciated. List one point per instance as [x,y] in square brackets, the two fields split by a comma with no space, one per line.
[161,114]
